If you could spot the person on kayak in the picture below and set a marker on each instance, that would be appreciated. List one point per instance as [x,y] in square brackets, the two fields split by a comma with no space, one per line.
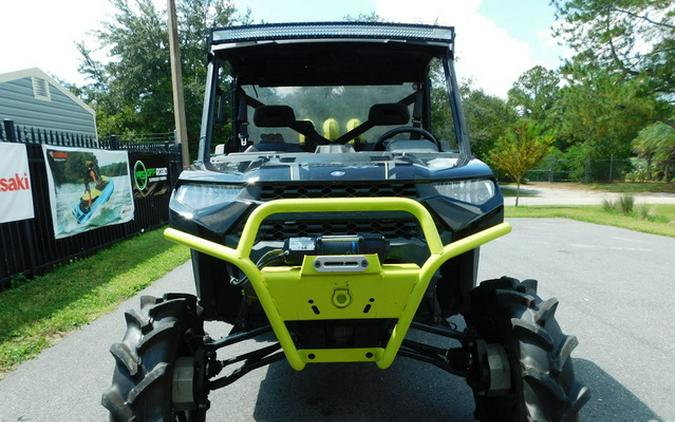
[91,176]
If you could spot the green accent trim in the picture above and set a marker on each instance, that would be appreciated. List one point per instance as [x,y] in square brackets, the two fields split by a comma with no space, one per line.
[284,292]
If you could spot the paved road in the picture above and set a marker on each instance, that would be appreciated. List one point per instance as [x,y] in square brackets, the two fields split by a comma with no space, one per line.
[617,294]
[565,194]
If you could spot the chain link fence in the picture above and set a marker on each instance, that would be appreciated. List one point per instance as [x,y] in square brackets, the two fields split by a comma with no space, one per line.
[610,169]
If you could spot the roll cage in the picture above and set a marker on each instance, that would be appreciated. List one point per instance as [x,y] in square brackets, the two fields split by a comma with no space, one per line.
[356,53]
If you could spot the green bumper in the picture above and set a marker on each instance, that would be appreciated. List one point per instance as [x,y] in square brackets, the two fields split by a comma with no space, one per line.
[296,293]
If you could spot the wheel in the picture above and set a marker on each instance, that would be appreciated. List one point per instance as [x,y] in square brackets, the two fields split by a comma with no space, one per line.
[155,339]
[509,313]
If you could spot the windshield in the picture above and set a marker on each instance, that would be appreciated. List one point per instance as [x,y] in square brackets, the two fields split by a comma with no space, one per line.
[334,117]
[332,110]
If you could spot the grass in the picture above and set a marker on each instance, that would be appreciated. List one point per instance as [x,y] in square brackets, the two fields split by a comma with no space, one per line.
[38,312]
[626,187]
[655,219]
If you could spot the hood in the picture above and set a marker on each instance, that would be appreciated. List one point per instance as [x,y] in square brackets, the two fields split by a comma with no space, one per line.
[257,168]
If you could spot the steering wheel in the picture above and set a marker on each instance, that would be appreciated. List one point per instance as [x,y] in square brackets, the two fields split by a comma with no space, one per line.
[405,129]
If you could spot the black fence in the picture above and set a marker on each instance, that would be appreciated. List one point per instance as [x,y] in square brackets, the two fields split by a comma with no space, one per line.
[29,246]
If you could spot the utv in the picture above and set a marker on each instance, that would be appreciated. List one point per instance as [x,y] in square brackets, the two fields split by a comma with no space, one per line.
[344,211]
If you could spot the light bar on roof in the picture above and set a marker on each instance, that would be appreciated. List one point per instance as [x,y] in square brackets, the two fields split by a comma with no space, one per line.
[334,30]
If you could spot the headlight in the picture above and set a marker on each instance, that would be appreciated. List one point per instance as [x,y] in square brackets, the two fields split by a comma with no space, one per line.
[197,196]
[475,192]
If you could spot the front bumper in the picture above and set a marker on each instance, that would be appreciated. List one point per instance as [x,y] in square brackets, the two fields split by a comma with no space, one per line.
[291,293]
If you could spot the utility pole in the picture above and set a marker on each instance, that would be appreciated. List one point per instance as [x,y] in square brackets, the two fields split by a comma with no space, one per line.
[177,83]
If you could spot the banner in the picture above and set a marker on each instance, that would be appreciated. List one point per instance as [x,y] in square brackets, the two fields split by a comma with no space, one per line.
[88,188]
[151,174]
[16,196]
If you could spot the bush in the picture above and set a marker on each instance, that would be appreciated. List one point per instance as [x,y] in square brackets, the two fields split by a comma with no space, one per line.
[608,205]
[626,203]
[646,213]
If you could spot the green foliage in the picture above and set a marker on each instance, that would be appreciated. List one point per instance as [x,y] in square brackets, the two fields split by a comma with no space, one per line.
[487,118]
[633,38]
[520,149]
[535,93]
[648,213]
[74,168]
[656,144]
[601,111]
[626,202]
[608,205]
[131,93]
[115,169]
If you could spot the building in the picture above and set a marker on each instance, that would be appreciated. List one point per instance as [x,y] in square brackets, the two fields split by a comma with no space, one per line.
[31,98]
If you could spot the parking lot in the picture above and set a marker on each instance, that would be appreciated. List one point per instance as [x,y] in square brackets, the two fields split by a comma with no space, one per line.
[616,294]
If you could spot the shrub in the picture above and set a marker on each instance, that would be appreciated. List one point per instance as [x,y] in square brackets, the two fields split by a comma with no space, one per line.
[626,203]
[645,213]
[608,205]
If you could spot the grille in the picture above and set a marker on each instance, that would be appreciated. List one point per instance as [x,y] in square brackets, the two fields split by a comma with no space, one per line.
[351,190]
[389,228]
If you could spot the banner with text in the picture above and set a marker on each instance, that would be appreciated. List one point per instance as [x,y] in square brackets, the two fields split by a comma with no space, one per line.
[16,196]
[88,188]
[150,175]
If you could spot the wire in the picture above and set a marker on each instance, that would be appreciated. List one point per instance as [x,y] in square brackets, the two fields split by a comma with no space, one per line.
[273,256]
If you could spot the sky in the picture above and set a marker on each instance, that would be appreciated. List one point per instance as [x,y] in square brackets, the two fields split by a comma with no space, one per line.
[497,40]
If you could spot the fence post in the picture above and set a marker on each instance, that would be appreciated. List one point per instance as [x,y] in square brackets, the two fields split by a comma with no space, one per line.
[611,166]
[9,130]
[113,142]
[550,171]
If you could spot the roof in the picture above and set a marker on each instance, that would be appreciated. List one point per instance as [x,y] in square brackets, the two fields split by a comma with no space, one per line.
[36,72]
[246,35]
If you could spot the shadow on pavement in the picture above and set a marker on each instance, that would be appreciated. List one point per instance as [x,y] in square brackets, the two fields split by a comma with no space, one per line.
[409,390]
[610,400]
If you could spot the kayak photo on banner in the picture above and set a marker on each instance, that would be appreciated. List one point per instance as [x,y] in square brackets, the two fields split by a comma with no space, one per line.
[88,188]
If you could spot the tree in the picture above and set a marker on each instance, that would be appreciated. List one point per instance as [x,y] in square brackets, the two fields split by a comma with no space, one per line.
[520,149]
[131,92]
[631,38]
[487,118]
[535,92]
[602,111]
[656,144]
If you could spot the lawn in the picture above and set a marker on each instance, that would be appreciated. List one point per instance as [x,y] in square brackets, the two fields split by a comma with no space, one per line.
[662,216]
[625,187]
[37,312]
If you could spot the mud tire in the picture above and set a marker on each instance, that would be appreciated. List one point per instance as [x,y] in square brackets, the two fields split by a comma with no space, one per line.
[142,380]
[544,388]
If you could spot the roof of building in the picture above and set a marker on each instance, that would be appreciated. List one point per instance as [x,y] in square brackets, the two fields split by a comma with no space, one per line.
[36,72]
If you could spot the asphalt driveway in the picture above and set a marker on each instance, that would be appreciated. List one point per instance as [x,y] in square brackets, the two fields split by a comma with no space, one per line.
[616,291]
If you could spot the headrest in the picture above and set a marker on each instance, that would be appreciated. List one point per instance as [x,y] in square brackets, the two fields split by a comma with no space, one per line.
[388,114]
[273,116]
